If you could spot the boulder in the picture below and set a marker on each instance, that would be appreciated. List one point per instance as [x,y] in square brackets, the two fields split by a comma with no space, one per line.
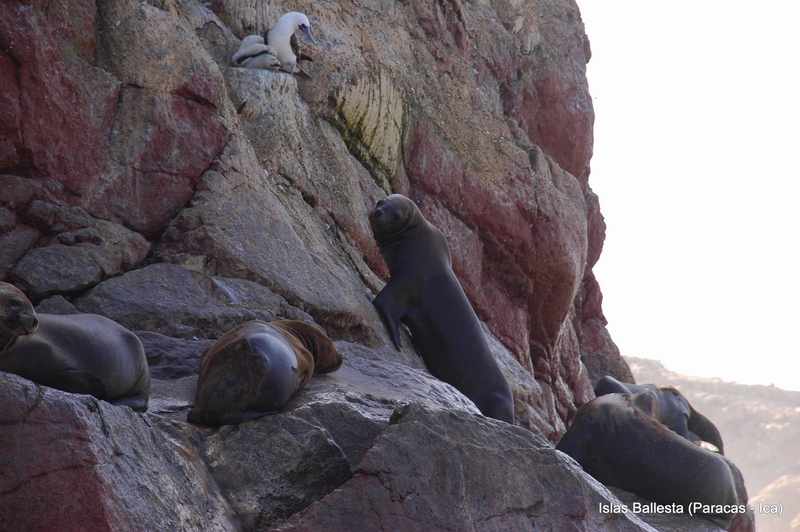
[502,476]
[71,462]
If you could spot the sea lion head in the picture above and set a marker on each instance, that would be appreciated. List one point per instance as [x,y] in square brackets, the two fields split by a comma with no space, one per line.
[17,317]
[392,216]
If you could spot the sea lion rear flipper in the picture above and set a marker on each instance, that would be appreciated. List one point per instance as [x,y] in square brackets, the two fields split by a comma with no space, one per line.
[608,384]
[391,311]
[137,403]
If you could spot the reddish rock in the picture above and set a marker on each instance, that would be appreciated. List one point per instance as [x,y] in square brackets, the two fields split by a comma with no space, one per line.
[73,463]
[10,133]
[162,145]
[131,157]
[16,191]
[66,132]
[533,232]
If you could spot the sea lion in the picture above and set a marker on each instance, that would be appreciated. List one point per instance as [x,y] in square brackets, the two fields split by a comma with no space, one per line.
[78,353]
[425,294]
[256,367]
[674,410]
[618,440]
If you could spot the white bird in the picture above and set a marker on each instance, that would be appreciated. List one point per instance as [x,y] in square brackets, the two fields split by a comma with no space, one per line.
[282,38]
[253,53]
[282,50]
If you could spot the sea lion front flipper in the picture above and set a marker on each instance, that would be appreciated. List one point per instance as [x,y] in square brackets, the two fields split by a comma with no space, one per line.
[391,308]
[704,429]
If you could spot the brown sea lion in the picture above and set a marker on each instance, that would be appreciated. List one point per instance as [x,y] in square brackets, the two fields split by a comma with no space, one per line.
[255,368]
[425,294]
[618,440]
[78,353]
[674,410]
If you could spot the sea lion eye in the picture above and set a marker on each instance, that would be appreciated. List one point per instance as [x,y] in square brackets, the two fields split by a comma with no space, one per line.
[15,303]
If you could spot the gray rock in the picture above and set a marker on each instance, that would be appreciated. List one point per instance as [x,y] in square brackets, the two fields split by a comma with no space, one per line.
[15,243]
[502,477]
[673,522]
[287,251]
[273,467]
[258,298]
[56,305]
[7,220]
[172,358]
[162,298]
[60,269]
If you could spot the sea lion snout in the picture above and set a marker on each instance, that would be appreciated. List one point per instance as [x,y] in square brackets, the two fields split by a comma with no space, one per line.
[391,214]
[380,217]
[28,322]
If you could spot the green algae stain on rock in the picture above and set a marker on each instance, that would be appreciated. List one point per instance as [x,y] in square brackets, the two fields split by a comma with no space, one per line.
[371,118]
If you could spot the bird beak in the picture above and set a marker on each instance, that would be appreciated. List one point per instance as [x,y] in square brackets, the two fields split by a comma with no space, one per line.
[305,29]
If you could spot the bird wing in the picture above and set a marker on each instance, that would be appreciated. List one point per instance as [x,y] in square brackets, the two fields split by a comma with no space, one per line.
[298,51]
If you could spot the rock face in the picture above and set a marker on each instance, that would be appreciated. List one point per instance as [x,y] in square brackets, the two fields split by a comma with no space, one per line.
[120,141]
[131,187]
[391,492]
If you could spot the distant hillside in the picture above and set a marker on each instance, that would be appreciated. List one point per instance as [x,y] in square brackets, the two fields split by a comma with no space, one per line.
[760,427]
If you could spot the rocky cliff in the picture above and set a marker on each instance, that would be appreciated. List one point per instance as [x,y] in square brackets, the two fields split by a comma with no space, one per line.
[131,187]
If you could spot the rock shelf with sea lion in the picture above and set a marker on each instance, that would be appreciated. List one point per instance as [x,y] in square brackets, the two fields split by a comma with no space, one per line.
[78,353]
[674,410]
[424,293]
[256,367]
[618,440]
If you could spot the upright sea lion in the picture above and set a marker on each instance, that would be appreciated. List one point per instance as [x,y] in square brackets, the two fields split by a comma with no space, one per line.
[674,410]
[425,294]
[78,353]
[255,368]
[618,440]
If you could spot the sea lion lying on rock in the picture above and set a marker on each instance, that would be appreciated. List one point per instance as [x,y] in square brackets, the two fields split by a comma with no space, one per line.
[425,294]
[618,440]
[674,410]
[78,353]
[255,368]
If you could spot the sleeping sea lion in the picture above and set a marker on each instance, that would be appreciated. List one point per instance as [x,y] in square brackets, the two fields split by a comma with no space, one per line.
[674,410]
[78,353]
[255,368]
[618,440]
[425,294]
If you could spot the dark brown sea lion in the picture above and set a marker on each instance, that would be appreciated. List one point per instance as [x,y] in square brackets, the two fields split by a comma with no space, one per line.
[78,353]
[618,440]
[674,410]
[255,368]
[425,294]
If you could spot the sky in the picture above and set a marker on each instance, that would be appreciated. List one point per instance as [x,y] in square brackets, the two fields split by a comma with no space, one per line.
[697,136]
